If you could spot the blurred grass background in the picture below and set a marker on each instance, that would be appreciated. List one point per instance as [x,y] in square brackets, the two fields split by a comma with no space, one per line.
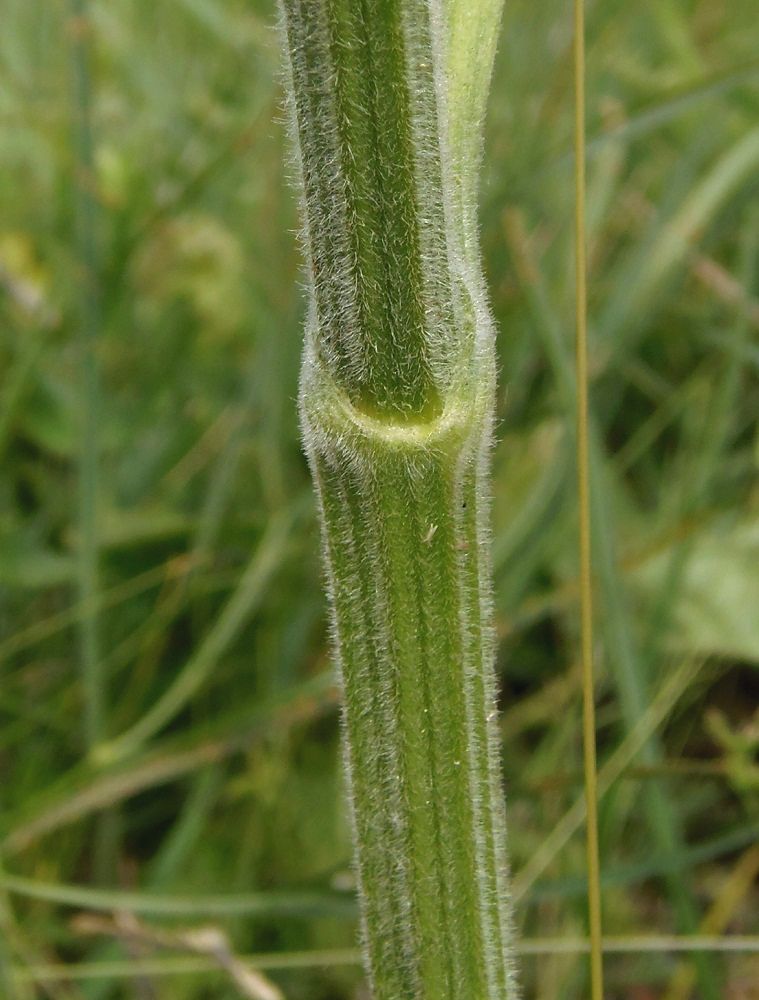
[170,789]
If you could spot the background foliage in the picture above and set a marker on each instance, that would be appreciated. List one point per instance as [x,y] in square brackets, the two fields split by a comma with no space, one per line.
[212,799]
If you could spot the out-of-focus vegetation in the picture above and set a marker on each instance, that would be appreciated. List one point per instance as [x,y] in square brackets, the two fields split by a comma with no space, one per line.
[171,789]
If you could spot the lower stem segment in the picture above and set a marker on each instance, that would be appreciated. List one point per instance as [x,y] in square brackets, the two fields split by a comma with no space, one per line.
[404,517]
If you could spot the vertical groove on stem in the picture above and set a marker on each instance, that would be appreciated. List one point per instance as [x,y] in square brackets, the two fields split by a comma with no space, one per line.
[583,491]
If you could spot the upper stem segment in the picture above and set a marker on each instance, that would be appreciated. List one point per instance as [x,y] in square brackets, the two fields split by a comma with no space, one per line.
[384,202]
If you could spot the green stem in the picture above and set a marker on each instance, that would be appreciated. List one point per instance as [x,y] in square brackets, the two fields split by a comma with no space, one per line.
[107,831]
[89,319]
[397,397]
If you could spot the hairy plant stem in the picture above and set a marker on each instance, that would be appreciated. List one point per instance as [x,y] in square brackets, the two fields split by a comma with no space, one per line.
[396,400]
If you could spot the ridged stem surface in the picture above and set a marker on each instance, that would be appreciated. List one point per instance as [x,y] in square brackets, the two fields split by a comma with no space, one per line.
[396,405]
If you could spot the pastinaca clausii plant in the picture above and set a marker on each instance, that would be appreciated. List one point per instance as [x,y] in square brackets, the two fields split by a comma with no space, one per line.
[397,395]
